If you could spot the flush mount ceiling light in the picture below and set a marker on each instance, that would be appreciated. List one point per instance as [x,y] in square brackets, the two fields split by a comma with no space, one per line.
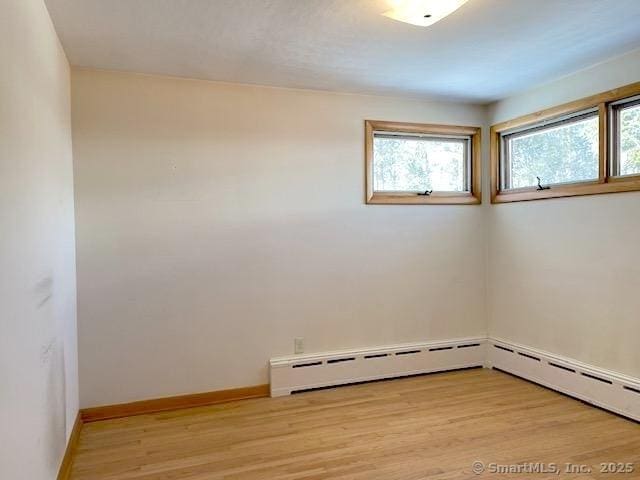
[422,12]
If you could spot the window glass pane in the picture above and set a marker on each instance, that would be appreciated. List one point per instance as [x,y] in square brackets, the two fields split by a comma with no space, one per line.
[630,141]
[567,152]
[405,164]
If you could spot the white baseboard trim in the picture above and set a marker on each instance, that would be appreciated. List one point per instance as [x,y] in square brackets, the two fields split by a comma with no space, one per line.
[597,386]
[304,372]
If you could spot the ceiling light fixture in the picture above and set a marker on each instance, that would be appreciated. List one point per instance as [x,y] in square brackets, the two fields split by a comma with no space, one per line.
[422,12]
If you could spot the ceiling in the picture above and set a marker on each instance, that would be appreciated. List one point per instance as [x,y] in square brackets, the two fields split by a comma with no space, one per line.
[486,50]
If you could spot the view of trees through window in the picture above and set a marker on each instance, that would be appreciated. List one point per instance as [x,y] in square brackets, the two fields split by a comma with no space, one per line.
[564,153]
[630,141]
[416,164]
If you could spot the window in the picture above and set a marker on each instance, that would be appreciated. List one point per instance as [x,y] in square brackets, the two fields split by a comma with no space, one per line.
[422,164]
[585,147]
[563,151]
[416,163]
[625,158]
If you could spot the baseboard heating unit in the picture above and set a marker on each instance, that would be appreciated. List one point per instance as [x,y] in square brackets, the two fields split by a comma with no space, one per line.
[304,372]
[602,388]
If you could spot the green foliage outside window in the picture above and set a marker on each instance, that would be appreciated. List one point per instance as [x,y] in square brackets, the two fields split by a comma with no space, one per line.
[565,153]
[630,141]
[415,165]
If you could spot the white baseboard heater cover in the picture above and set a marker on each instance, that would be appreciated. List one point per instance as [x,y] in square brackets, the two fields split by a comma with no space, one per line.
[603,388]
[304,372]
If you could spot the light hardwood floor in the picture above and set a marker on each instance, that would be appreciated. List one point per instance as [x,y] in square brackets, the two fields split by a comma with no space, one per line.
[427,427]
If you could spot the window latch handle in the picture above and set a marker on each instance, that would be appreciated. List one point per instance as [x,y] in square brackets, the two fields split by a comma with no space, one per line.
[540,187]
[426,193]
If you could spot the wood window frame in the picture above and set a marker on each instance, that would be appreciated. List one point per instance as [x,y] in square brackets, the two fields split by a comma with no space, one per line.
[472,197]
[605,183]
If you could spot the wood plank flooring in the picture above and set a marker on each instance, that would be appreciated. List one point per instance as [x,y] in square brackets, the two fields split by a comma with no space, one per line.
[427,427]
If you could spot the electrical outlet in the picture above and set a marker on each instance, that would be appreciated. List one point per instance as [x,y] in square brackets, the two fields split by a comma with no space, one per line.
[298,345]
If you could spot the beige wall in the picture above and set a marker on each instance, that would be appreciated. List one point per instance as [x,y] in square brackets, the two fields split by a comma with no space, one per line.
[38,353]
[217,222]
[564,273]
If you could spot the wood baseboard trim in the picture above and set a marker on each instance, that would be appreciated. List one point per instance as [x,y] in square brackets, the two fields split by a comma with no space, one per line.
[156,405]
[65,467]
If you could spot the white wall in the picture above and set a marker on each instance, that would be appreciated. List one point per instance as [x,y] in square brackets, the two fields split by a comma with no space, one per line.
[38,353]
[217,222]
[564,273]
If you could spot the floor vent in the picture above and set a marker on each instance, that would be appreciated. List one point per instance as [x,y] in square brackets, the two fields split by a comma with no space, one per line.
[603,388]
[290,374]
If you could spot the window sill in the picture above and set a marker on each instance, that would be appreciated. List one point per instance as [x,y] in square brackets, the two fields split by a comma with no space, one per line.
[413,199]
[613,185]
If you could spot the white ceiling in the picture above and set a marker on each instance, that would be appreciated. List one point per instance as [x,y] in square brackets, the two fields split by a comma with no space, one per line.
[486,50]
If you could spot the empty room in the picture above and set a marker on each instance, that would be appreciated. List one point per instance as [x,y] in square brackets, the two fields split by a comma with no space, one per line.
[319,239]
